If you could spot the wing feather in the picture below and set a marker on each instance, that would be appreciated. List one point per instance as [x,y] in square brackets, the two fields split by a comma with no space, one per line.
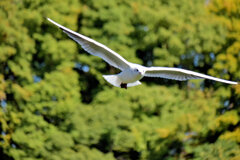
[180,74]
[95,48]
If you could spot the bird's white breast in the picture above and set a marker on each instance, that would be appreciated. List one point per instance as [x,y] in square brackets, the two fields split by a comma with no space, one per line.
[129,76]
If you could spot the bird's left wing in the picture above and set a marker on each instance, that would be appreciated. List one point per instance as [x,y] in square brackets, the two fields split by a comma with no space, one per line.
[180,74]
[95,48]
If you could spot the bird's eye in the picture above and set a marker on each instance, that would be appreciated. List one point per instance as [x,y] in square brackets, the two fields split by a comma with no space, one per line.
[136,70]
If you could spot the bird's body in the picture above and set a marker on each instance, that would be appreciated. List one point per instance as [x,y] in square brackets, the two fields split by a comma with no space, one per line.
[131,73]
[135,75]
[127,78]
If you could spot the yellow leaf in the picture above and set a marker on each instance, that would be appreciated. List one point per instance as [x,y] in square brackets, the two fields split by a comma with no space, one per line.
[163,132]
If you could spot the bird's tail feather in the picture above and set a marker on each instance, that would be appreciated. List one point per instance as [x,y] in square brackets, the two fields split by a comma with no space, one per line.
[115,81]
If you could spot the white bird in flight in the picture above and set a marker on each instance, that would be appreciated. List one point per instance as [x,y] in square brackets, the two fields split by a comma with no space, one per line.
[131,72]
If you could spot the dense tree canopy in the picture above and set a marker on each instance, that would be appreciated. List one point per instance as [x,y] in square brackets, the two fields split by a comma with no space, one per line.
[55,104]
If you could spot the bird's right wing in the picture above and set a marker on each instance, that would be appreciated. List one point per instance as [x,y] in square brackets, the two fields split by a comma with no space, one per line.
[180,74]
[95,48]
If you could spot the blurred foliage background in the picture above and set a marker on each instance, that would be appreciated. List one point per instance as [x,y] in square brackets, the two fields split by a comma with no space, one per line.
[55,104]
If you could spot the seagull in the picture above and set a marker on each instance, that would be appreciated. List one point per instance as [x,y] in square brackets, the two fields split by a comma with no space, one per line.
[131,73]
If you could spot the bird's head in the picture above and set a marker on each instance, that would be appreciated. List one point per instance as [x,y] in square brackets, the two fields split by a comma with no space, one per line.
[139,71]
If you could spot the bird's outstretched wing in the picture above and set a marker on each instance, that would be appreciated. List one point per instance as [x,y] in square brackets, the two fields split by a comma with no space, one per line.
[180,74]
[95,48]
